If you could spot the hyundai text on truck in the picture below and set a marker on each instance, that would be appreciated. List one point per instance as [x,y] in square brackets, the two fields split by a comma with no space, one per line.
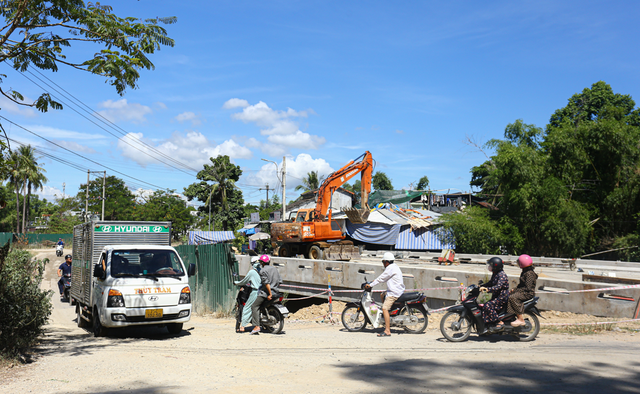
[127,274]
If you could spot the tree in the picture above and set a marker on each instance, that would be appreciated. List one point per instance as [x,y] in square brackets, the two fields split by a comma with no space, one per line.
[37,32]
[165,205]
[381,181]
[33,177]
[222,196]
[423,183]
[118,199]
[310,182]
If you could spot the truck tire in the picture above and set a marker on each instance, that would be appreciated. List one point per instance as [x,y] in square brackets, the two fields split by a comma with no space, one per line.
[174,328]
[284,251]
[98,329]
[315,253]
[81,322]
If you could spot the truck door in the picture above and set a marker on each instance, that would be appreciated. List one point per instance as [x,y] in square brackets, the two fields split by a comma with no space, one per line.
[98,288]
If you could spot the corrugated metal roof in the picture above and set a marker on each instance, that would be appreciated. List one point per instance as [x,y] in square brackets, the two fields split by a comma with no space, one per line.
[421,239]
[209,237]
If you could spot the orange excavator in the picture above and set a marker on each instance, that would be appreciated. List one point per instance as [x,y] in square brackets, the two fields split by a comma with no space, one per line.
[313,233]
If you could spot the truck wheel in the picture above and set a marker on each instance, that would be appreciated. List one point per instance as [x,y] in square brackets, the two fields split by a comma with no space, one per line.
[98,329]
[315,252]
[81,322]
[174,328]
[283,251]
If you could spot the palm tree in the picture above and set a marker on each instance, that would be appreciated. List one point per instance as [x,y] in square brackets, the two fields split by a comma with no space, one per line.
[14,168]
[311,182]
[223,173]
[33,177]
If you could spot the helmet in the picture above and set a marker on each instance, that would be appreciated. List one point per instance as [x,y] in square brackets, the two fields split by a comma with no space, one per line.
[388,256]
[265,259]
[68,257]
[525,261]
[496,264]
[254,259]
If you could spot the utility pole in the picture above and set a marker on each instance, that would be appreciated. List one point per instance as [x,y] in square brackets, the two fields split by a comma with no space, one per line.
[104,181]
[267,188]
[284,188]
[86,203]
[63,189]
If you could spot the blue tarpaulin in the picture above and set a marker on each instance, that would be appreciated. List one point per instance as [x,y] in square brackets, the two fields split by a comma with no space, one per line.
[209,237]
[421,239]
[374,233]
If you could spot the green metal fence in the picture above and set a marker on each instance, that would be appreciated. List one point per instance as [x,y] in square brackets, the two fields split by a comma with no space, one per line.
[33,238]
[212,288]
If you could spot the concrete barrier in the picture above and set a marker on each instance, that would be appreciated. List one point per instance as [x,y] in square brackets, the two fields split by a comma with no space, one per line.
[350,275]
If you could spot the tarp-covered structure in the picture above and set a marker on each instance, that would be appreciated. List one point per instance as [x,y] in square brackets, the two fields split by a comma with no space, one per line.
[401,228]
[209,237]
[392,196]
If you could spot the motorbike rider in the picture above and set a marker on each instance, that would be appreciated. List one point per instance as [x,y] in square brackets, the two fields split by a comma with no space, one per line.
[498,286]
[526,290]
[60,242]
[270,279]
[392,276]
[253,278]
[64,269]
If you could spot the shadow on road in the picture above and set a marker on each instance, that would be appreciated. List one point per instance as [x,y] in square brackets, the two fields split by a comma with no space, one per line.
[418,376]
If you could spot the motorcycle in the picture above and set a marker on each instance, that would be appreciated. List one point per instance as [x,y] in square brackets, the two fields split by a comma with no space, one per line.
[407,312]
[272,312]
[59,250]
[456,325]
[66,283]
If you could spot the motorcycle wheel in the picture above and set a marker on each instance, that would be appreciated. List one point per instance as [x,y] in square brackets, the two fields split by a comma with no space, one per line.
[530,331]
[353,319]
[423,319]
[454,327]
[277,327]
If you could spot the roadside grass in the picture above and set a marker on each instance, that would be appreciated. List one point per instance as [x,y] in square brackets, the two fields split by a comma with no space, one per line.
[579,330]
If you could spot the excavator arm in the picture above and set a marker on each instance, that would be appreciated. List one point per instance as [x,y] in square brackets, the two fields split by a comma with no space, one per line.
[362,164]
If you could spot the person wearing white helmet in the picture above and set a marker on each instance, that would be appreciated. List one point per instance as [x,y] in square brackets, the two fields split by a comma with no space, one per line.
[392,276]
[253,278]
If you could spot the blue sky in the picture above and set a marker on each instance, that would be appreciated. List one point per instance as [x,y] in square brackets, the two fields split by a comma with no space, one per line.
[321,82]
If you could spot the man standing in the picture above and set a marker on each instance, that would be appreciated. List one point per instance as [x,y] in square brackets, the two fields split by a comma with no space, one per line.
[64,269]
[270,278]
[392,276]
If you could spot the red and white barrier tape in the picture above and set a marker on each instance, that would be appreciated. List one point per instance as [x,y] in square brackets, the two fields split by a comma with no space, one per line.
[588,290]
[358,291]
[589,324]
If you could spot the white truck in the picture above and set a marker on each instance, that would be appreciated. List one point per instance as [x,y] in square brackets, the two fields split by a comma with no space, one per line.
[127,274]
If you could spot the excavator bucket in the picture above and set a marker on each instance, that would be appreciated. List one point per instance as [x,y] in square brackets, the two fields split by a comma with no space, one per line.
[357,216]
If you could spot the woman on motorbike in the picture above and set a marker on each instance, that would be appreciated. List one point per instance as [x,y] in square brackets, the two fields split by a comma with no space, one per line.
[526,290]
[498,286]
[253,278]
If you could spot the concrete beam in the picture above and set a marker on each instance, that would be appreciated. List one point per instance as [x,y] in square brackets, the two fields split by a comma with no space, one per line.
[350,275]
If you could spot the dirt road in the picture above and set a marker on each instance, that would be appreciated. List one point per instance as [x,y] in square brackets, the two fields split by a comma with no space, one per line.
[315,358]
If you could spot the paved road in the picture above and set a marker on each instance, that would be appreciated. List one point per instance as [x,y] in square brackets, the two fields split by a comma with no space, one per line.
[208,356]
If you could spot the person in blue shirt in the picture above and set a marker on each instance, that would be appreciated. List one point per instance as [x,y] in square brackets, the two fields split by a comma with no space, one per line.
[64,269]
[60,242]
[252,278]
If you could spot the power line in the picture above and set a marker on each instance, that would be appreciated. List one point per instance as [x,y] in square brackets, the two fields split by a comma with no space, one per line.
[79,155]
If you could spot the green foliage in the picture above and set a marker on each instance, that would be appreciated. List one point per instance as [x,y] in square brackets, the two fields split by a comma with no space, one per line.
[423,183]
[166,206]
[310,182]
[25,308]
[225,200]
[118,199]
[381,181]
[37,32]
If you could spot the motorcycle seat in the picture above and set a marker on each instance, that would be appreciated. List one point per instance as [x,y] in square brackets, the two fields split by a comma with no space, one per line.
[408,297]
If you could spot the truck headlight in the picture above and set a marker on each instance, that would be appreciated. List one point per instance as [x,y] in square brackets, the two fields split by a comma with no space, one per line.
[185,296]
[115,299]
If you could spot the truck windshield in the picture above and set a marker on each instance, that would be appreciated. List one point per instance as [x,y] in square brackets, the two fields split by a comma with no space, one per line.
[145,262]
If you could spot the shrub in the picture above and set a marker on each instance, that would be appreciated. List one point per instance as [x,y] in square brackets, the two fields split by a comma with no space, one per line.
[24,306]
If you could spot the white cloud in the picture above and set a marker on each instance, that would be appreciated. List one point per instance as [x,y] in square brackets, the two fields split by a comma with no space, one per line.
[121,110]
[47,131]
[15,109]
[297,169]
[235,103]
[189,117]
[192,149]
[48,192]
[280,127]
[74,146]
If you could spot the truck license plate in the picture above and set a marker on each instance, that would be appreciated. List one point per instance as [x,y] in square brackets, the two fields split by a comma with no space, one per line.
[153,313]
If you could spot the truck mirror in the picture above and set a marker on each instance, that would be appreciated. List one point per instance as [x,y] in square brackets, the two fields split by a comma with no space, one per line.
[98,272]
[191,270]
